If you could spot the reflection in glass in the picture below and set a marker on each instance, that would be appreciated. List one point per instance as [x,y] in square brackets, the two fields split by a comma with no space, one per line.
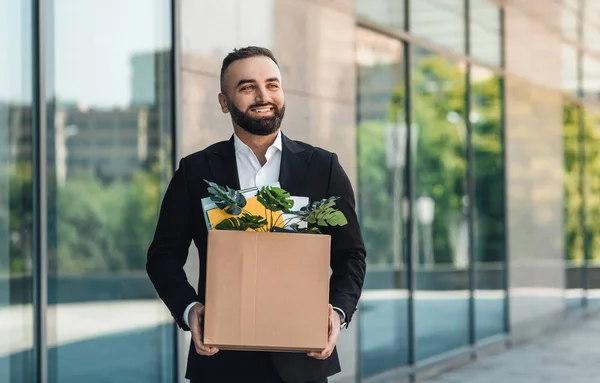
[570,19]
[441,22]
[389,13]
[591,133]
[109,153]
[573,205]
[486,125]
[440,244]
[486,32]
[381,135]
[591,20]
[570,70]
[16,193]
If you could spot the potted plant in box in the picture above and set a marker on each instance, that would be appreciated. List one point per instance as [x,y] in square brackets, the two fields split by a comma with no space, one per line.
[277,203]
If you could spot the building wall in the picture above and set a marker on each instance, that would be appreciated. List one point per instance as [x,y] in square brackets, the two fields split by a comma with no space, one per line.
[313,41]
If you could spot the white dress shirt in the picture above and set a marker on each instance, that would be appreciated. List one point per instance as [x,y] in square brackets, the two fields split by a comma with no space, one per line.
[252,174]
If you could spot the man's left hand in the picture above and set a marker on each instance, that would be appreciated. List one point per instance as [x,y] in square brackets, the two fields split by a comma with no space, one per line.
[334,334]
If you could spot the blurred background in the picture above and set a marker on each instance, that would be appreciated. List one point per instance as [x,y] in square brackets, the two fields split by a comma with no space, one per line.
[470,130]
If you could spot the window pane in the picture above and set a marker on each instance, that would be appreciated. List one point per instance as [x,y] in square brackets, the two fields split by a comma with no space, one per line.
[440,243]
[109,156]
[485,32]
[591,86]
[441,22]
[381,166]
[591,31]
[573,205]
[570,70]
[389,13]
[570,19]
[16,198]
[489,220]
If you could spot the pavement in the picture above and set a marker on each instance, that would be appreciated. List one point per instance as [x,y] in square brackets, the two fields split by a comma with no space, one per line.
[571,355]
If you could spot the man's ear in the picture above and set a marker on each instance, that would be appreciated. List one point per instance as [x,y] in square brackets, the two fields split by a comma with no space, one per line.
[223,103]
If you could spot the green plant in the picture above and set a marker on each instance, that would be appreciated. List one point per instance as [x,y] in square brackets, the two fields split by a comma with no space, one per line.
[274,199]
[322,213]
[227,199]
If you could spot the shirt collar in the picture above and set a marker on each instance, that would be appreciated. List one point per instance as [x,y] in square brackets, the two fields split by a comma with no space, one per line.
[239,145]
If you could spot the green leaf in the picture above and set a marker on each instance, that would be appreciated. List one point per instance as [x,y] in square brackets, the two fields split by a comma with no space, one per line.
[232,224]
[253,221]
[229,200]
[306,230]
[275,199]
[322,213]
[338,219]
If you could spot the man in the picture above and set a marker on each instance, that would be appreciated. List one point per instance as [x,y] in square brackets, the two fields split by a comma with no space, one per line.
[257,154]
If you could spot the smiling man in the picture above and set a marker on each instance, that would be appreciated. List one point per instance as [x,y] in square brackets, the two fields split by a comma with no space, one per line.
[258,153]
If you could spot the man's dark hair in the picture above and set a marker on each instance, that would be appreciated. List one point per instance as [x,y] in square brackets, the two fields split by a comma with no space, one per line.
[244,53]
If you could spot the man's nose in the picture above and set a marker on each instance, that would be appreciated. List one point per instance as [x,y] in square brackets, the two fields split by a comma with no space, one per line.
[261,95]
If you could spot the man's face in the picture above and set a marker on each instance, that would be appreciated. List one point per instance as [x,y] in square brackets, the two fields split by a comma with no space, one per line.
[253,95]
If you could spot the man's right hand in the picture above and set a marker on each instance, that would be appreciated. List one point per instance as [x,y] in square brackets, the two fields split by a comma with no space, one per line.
[196,321]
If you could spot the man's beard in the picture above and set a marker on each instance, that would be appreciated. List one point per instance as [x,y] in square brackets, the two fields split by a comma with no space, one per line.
[263,126]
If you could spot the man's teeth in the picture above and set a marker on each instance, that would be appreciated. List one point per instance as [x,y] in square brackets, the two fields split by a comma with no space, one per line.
[262,110]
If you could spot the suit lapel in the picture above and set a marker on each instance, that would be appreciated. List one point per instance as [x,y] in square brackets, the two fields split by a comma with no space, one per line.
[223,165]
[294,164]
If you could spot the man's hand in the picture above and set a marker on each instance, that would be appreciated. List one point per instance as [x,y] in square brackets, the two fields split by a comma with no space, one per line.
[334,334]
[196,320]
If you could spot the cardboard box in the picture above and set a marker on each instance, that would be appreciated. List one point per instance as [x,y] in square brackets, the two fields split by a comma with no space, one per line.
[267,291]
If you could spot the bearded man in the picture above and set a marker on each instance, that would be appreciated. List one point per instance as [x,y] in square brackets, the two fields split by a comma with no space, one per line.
[258,153]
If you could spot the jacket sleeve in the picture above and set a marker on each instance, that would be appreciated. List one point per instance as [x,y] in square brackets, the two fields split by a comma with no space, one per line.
[168,251]
[347,248]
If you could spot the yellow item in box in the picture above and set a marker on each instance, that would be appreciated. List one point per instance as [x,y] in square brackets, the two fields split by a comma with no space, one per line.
[215,216]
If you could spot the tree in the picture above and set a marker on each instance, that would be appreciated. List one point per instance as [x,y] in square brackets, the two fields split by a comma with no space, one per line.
[440,162]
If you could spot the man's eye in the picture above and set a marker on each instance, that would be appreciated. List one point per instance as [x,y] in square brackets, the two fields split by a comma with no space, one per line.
[247,87]
[274,86]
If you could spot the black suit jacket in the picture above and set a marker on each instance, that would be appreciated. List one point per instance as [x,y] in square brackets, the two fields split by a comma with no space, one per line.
[305,171]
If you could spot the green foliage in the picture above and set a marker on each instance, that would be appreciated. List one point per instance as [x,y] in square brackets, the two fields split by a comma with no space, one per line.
[591,137]
[307,230]
[322,213]
[245,222]
[254,222]
[275,199]
[231,224]
[439,160]
[231,201]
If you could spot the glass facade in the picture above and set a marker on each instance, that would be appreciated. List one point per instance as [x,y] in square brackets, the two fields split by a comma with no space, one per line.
[591,159]
[382,151]
[489,237]
[433,213]
[469,131]
[440,246]
[108,159]
[16,193]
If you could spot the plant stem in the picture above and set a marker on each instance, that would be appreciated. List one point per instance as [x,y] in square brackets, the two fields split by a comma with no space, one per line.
[267,218]
[278,218]
[285,222]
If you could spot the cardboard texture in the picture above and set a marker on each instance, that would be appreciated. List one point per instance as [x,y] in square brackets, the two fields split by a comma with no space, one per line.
[267,291]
